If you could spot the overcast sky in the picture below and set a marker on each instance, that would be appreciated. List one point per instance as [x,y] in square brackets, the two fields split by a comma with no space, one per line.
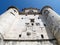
[20,4]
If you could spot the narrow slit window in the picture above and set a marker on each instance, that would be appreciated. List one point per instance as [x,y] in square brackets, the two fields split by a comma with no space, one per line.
[42,36]
[15,11]
[44,24]
[19,35]
[28,33]
[32,24]
[38,17]
[12,13]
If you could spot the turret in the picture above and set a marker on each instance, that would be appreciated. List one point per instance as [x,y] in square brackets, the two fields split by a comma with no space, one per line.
[52,20]
[7,19]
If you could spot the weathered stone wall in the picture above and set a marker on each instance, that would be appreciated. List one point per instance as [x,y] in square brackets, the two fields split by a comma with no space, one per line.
[26,29]
[53,22]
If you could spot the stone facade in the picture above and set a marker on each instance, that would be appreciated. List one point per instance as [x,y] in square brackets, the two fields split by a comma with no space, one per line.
[30,27]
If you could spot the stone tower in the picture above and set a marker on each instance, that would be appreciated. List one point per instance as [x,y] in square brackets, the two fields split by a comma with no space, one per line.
[32,26]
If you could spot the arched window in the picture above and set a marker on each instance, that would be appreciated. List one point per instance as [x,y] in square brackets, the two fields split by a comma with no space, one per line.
[46,12]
